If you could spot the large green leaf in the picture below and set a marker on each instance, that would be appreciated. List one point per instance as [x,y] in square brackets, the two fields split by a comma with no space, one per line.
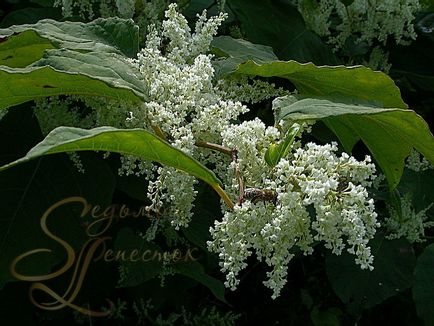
[242,49]
[22,49]
[111,68]
[21,45]
[389,134]
[69,58]
[30,15]
[279,25]
[423,289]
[420,185]
[393,272]
[19,86]
[355,83]
[136,142]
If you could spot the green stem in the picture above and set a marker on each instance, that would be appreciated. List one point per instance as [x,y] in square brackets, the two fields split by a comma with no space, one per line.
[226,151]
[234,156]
[223,195]
[159,132]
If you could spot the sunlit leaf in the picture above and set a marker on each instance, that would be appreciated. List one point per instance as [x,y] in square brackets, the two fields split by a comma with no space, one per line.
[136,142]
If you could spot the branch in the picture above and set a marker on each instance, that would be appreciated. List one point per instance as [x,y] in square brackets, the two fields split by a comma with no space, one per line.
[234,156]
[216,147]
[224,196]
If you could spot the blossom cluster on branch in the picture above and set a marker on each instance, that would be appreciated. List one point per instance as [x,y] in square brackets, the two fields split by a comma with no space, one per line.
[364,23]
[143,12]
[311,177]
[370,20]
[404,222]
[318,195]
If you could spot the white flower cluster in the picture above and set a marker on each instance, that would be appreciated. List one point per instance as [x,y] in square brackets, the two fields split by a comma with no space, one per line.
[243,89]
[417,163]
[126,8]
[144,12]
[85,7]
[251,140]
[406,223]
[365,22]
[188,108]
[174,190]
[131,165]
[62,111]
[313,176]
[183,102]
[378,60]
[368,20]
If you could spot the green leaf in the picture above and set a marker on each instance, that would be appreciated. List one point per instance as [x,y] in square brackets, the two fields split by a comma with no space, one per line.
[355,83]
[111,35]
[20,85]
[91,60]
[280,25]
[195,271]
[394,262]
[22,49]
[423,289]
[389,134]
[108,67]
[242,49]
[136,142]
[276,151]
[30,15]
[420,185]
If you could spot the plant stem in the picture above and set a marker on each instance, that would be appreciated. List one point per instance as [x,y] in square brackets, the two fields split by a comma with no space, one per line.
[233,153]
[215,147]
[234,156]
[223,195]
[159,132]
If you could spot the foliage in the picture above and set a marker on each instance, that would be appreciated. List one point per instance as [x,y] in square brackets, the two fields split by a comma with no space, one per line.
[204,147]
